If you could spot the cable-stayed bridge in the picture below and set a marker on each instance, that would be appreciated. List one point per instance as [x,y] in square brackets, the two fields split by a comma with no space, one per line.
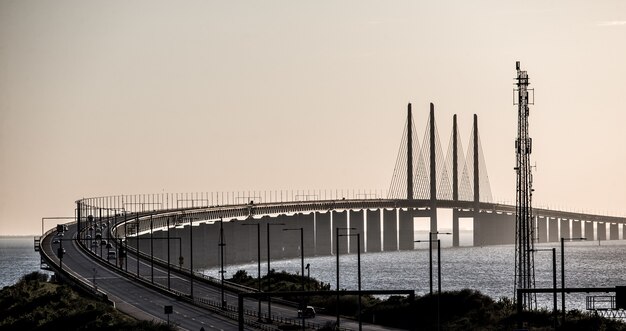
[157,240]
[424,180]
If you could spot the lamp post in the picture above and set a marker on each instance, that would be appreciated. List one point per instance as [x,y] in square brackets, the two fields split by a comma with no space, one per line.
[358,256]
[221,245]
[563,274]
[269,274]
[553,280]
[258,242]
[430,251]
[337,254]
[303,307]
[430,241]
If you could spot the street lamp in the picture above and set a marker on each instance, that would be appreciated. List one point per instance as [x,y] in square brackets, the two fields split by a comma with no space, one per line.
[337,253]
[563,274]
[358,256]
[269,275]
[553,279]
[221,245]
[430,249]
[258,241]
[303,307]
[430,252]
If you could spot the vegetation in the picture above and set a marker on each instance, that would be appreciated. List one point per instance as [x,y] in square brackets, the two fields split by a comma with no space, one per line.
[459,310]
[34,303]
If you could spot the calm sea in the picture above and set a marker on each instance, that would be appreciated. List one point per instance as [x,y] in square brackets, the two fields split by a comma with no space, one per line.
[487,269]
[17,258]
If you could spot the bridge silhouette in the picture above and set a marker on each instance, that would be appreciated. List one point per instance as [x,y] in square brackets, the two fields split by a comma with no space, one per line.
[424,180]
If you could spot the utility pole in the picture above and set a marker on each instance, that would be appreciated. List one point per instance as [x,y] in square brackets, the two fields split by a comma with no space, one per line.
[524,225]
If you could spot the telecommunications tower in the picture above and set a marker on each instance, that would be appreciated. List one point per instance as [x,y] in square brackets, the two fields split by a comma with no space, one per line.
[524,225]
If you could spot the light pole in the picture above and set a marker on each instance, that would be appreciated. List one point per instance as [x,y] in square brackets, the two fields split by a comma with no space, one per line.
[430,241]
[302,305]
[430,252]
[358,257]
[221,245]
[258,242]
[337,254]
[563,275]
[269,273]
[553,280]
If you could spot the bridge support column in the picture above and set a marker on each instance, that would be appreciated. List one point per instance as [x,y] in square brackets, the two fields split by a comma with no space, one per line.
[306,221]
[614,231]
[340,220]
[495,229]
[542,229]
[276,236]
[565,228]
[323,233]
[478,229]
[455,227]
[357,221]
[406,229]
[553,229]
[589,233]
[390,230]
[601,231]
[576,229]
[373,231]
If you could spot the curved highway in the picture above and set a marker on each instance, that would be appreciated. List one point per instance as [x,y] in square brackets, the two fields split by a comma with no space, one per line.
[145,297]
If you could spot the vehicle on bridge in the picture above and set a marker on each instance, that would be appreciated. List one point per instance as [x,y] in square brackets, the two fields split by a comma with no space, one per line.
[308,312]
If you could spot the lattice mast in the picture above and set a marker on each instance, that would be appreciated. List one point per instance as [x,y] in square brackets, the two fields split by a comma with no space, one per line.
[524,229]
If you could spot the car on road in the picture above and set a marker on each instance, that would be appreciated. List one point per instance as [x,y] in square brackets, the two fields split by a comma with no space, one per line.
[308,312]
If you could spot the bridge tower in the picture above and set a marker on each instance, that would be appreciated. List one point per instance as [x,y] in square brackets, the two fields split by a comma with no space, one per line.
[409,154]
[524,227]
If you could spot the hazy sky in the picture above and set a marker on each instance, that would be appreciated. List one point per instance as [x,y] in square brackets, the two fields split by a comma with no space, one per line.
[123,97]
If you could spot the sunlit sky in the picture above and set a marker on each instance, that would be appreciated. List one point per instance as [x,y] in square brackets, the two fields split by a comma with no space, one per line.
[123,97]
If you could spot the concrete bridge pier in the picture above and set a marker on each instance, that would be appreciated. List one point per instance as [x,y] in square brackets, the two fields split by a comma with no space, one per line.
[478,230]
[455,228]
[494,229]
[614,231]
[357,221]
[390,230]
[601,227]
[542,229]
[553,229]
[589,231]
[406,236]
[576,229]
[323,243]
[340,220]
[276,236]
[565,228]
[373,230]
[290,239]
[307,222]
